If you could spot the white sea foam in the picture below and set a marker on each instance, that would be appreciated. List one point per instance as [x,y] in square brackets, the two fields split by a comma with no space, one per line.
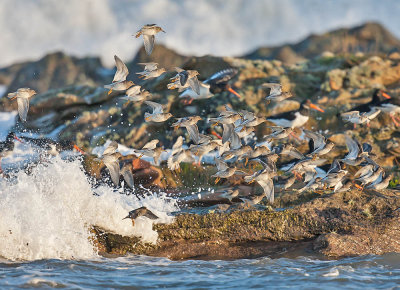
[48,213]
[105,27]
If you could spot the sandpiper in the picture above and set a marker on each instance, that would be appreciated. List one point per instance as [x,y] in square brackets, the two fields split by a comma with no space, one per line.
[149,31]
[22,95]
[141,211]
[157,115]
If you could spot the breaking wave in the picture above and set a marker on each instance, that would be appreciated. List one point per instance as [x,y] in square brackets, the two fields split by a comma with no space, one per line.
[49,212]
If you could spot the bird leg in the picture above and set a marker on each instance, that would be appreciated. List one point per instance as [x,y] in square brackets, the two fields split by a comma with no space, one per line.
[217,179]
[110,91]
[394,120]
[354,126]
[294,135]
[246,161]
[216,134]
[297,175]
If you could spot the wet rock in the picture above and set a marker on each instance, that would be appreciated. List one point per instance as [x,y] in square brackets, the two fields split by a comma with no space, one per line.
[58,70]
[336,225]
[368,38]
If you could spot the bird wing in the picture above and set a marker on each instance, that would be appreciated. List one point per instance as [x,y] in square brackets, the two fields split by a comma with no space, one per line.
[113,168]
[177,145]
[350,115]
[150,215]
[353,148]
[23,107]
[148,43]
[156,156]
[183,77]
[276,89]
[122,70]
[149,66]
[365,170]
[151,145]
[372,114]
[268,186]
[133,91]
[194,84]
[111,148]
[291,151]
[318,139]
[221,165]
[228,131]
[222,76]
[366,147]
[128,177]
[193,133]
[235,141]
[335,167]
[157,108]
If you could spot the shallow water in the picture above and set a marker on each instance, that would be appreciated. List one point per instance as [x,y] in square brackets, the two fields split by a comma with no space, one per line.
[148,272]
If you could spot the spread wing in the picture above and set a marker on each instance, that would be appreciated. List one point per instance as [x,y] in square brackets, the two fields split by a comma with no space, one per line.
[113,168]
[350,115]
[151,145]
[268,186]
[177,145]
[222,76]
[373,114]
[111,148]
[122,70]
[318,139]
[23,107]
[150,215]
[148,43]
[128,177]
[228,131]
[183,77]
[276,89]
[157,108]
[235,141]
[291,151]
[149,66]
[193,133]
[133,91]
[195,84]
[221,165]
[353,148]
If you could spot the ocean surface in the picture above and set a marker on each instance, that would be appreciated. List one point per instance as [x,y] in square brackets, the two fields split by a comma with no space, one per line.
[368,272]
[30,29]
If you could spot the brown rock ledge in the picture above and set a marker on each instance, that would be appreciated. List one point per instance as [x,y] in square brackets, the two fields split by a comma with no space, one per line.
[334,225]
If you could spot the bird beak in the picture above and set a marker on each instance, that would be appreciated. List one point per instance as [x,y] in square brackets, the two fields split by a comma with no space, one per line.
[216,134]
[80,150]
[16,138]
[386,95]
[126,217]
[315,107]
[234,92]
[163,31]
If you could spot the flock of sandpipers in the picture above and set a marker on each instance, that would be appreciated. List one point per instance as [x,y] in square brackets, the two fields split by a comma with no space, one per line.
[234,147]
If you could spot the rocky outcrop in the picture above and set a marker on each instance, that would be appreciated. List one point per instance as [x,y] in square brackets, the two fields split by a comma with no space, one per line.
[335,225]
[57,70]
[368,38]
